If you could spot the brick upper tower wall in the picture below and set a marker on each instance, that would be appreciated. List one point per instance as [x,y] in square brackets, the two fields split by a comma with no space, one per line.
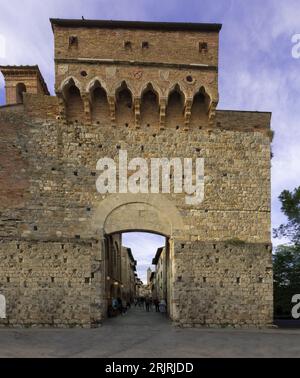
[138,41]
[166,56]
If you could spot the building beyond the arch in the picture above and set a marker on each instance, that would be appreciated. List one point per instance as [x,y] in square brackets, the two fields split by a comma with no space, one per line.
[152,89]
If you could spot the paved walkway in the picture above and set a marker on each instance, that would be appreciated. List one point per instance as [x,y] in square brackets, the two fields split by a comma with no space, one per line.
[142,334]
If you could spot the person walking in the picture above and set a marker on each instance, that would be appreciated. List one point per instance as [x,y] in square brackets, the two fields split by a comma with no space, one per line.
[156,304]
[147,304]
[163,306]
[120,305]
[124,306]
[112,310]
[150,303]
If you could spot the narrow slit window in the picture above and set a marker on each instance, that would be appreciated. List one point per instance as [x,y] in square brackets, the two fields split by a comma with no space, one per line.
[203,47]
[73,41]
[127,45]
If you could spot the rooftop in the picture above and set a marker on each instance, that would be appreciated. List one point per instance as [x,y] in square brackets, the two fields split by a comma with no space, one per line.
[157,255]
[146,25]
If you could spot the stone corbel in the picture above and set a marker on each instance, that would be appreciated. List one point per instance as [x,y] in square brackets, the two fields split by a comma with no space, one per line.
[162,113]
[87,108]
[137,112]
[61,106]
[187,112]
[112,109]
[212,113]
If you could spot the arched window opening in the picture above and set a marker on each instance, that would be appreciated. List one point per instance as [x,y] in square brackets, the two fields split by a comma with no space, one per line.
[124,108]
[21,89]
[100,107]
[75,108]
[199,111]
[175,106]
[149,107]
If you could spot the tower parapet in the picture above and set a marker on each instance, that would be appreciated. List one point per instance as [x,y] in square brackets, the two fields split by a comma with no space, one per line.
[116,67]
[20,80]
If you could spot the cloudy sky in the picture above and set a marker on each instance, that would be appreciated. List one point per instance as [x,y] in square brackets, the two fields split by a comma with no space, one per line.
[257,70]
[144,247]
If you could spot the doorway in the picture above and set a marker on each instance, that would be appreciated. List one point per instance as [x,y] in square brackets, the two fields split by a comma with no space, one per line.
[137,270]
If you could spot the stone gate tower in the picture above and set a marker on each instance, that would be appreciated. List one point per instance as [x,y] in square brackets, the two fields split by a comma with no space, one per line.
[152,89]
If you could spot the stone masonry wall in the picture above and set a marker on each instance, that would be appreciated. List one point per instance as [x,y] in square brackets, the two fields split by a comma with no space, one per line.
[221,284]
[39,106]
[57,165]
[49,283]
[48,192]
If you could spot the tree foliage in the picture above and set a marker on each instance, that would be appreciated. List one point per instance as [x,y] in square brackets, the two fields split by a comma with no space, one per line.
[290,206]
[286,261]
[286,267]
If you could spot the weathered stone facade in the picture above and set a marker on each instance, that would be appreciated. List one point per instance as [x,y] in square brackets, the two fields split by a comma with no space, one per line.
[150,89]
[160,285]
[128,275]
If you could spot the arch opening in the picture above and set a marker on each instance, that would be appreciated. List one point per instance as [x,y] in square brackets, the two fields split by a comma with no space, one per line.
[199,110]
[99,104]
[149,107]
[129,214]
[20,90]
[138,273]
[74,103]
[175,108]
[124,106]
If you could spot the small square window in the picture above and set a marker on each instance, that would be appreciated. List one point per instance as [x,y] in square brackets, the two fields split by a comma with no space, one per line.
[73,41]
[145,45]
[203,47]
[127,45]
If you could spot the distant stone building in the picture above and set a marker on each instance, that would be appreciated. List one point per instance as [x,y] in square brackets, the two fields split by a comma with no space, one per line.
[152,285]
[161,274]
[114,268]
[138,287]
[149,271]
[20,80]
[128,278]
[151,89]
[144,291]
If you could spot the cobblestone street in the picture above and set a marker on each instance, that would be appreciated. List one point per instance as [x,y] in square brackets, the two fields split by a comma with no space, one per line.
[142,334]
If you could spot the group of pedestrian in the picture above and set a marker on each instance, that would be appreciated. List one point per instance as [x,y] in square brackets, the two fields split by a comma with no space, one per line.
[118,306]
[148,303]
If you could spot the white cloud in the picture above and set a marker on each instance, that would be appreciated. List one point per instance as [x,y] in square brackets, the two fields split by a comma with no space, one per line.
[258,73]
